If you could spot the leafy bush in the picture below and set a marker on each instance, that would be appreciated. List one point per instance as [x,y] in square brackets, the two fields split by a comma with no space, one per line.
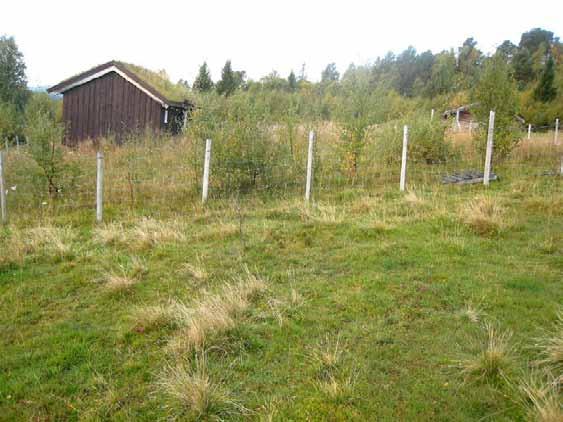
[427,143]
[44,137]
[244,153]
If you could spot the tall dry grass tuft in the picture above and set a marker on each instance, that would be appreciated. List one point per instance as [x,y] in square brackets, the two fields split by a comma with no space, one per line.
[193,390]
[149,232]
[56,242]
[110,234]
[126,276]
[323,213]
[551,348]
[484,215]
[541,397]
[328,354]
[337,388]
[144,234]
[216,313]
[196,271]
[494,358]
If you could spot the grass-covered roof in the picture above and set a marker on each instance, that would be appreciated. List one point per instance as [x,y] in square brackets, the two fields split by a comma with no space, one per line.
[159,81]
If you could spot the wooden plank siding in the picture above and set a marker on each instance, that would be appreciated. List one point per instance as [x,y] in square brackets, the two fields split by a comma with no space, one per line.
[108,104]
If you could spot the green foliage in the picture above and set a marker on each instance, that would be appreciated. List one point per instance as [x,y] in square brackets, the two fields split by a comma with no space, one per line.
[230,80]
[203,81]
[427,142]
[9,121]
[292,82]
[40,103]
[545,90]
[496,90]
[13,82]
[330,74]
[244,155]
[44,137]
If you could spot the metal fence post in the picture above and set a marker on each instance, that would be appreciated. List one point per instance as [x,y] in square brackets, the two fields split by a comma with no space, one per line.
[404,158]
[100,187]
[489,152]
[4,212]
[206,165]
[309,181]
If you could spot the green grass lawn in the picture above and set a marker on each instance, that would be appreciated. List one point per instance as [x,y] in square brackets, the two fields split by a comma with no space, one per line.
[372,300]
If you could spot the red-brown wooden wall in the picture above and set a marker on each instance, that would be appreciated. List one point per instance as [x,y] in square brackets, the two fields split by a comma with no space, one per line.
[109,104]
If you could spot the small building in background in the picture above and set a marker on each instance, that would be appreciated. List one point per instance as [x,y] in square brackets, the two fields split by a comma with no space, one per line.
[463,117]
[117,99]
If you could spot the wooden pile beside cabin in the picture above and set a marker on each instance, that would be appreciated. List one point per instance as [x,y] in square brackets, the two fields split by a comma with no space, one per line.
[116,98]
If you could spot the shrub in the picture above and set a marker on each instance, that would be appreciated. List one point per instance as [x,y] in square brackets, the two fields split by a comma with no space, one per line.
[45,137]
[427,143]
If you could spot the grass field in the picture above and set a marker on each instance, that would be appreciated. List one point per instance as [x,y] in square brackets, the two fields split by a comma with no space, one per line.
[438,304]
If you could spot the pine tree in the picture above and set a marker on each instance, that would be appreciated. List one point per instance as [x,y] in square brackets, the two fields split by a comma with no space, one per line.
[292,82]
[228,83]
[545,90]
[203,81]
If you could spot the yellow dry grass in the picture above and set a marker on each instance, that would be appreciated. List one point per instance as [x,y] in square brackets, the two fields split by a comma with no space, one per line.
[484,215]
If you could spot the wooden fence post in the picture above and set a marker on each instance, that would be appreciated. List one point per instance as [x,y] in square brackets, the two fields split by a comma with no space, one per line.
[206,165]
[489,152]
[529,131]
[4,211]
[556,136]
[100,187]
[309,181]
[404,158]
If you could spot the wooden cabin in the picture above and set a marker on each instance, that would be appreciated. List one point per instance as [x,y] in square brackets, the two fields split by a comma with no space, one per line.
[117,98]
[463,117]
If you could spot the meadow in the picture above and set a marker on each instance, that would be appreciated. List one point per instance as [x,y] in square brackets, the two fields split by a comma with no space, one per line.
[439,303]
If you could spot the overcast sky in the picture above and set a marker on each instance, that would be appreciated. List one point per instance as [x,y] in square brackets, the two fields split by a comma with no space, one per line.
[61,38]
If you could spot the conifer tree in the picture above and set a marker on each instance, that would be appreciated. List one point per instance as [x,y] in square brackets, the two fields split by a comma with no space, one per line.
[545,90]
[203,81]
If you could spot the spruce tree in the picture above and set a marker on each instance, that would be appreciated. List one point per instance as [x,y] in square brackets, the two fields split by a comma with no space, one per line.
[228,83]
[292,82]
[545,90]
[203,81]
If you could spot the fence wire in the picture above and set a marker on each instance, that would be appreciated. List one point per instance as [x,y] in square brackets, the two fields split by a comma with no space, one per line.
[166,177]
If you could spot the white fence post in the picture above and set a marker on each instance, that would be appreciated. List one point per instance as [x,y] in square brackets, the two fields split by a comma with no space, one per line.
[457,124]
[206,165]
[100,186]
[489,152]
[309,181]
[404,158]
[4,212]
[529,131]
[556,136]
[432,115]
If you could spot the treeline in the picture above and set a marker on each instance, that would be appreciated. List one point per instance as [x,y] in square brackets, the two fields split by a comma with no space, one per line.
[411,79]
[389,88]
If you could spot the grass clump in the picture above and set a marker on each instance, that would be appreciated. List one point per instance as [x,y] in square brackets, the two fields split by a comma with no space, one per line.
[191,389]
[551,348]
[126,276]
[216,313]
[484,215]
[144,234]
[542,398]
[494,358]
[196,271]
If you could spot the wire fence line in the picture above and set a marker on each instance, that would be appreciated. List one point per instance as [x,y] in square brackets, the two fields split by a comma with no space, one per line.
[168,175]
